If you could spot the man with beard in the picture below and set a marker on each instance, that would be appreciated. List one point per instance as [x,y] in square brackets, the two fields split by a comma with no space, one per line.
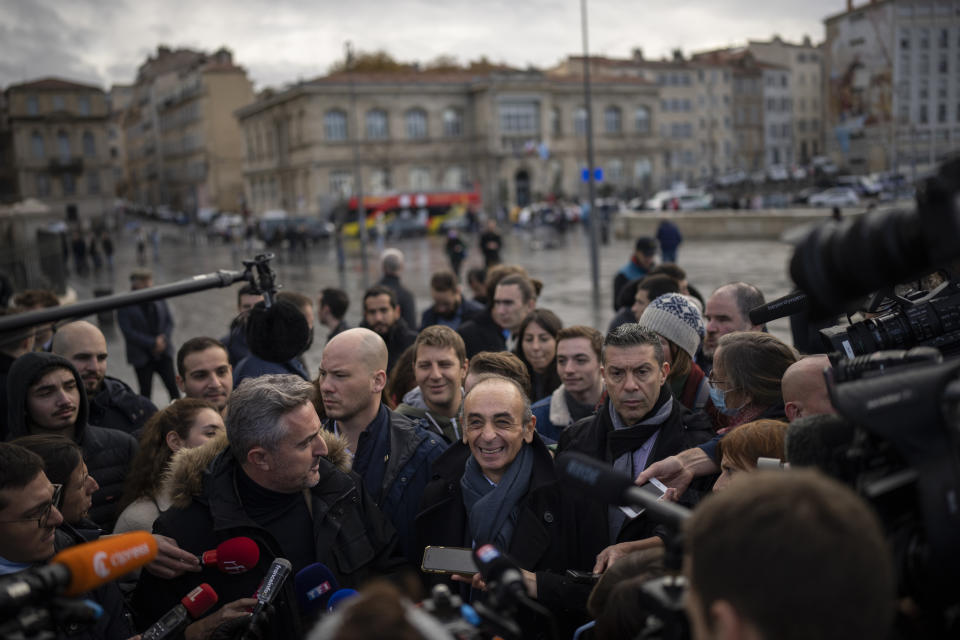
[113,404]
[449,307]
[381,313]
[204,372]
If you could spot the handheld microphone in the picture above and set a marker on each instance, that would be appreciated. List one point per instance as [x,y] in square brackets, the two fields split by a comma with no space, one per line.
[603,483]
[499,572]
[192,606]
[267,592]
[315,585]
[788,305]
[338,597]
[79,569]
[233,556]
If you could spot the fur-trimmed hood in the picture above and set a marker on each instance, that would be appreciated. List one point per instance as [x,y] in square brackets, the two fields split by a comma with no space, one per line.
[183,480]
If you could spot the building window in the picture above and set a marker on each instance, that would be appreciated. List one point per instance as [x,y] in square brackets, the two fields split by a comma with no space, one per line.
[454,178]
[341,183]
[922,116]
[420,179]
[452,123]
[416,124]
[69,184]
[376,125]
[379,181]
[36,144]
[641,169]
[580,121]
[924,38]
[335,125]
[58,103]
[944,39]
[63,146]
[43,185]
[612,120]
[93,182]
[520,118]
[556,122]
[615,172]
[941,113]
[641,120]
[89,145]
[83,104]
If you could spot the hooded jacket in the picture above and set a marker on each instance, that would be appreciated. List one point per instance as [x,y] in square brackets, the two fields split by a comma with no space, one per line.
[415,408]
[107,452]
[117,406]
[351,536]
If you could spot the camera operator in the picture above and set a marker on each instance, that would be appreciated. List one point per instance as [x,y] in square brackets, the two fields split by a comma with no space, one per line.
[811,562]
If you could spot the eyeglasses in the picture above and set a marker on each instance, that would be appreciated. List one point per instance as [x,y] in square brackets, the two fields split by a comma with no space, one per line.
[714,382]
[44,516]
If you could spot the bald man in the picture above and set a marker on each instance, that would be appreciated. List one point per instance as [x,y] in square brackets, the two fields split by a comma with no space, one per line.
[804,388]
[113,404]
[353,373]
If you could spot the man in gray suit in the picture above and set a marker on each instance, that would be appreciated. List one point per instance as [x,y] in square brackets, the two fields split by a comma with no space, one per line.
[148,333]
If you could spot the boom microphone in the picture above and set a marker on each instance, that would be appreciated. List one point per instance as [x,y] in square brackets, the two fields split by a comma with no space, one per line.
[79,569]
[192,606]
[788,305]
[277,333]
[603,483]
[315,585]
[236,555]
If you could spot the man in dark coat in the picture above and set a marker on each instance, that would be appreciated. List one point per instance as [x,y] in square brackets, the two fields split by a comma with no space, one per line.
[46,395]
[147,330]
[381,314]
[449,308]
[490,244]
[274,484]
[392,265]
[514,296]
[499,486]
[640,422]
[113,404]
[352,377]
[644,251]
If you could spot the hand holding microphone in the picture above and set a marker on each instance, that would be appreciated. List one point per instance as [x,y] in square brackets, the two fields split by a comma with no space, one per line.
[192,606]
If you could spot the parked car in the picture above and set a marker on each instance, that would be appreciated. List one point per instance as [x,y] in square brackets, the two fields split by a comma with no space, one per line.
[777,173]
[835,197]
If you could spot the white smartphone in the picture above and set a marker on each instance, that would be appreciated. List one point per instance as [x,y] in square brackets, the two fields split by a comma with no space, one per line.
[448,560]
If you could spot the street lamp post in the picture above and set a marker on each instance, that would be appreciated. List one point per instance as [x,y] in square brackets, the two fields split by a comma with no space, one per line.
[591,186]
[358,190]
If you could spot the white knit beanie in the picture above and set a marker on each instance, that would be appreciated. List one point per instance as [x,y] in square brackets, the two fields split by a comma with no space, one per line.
[677,319]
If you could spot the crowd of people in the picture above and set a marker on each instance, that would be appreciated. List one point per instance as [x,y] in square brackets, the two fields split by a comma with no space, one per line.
[441,429]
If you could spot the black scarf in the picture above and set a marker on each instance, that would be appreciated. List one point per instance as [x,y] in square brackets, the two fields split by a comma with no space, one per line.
[621,441]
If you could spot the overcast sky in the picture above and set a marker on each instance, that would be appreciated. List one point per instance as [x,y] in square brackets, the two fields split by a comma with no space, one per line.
[279,41]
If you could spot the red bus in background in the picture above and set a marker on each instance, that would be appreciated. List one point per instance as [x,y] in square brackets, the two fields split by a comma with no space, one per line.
[411,213]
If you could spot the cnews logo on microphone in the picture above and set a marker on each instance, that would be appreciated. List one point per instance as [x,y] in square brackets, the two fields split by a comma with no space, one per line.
[100,564]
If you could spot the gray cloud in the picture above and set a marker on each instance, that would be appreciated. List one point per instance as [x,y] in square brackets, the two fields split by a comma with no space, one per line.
[103,41]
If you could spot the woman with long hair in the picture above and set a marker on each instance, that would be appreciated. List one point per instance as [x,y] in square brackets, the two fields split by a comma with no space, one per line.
[537,349]
[186,423]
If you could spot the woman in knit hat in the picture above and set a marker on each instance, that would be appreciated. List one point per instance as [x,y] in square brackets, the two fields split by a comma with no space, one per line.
[677,320]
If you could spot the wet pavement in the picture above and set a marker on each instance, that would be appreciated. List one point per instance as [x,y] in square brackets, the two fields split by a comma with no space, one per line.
[565,272]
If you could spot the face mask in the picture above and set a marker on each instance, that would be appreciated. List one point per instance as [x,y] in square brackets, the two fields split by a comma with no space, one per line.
[719,399]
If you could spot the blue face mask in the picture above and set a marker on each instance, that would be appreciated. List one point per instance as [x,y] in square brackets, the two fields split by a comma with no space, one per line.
[719,399]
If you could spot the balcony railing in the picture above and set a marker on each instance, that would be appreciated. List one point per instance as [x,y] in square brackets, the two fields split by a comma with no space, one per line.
[66,165]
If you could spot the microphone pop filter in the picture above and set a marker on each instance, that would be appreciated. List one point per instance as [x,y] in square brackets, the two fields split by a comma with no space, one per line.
[235,555]
[339,597]
[314,586]
[277,333]
[199,601]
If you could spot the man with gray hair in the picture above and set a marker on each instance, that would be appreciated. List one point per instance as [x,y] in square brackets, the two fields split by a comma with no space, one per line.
[640,422]
[275,482]
[728,311]
[392,264]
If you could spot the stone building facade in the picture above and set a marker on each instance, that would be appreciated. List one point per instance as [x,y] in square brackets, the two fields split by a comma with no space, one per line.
[58,132]
[514,137]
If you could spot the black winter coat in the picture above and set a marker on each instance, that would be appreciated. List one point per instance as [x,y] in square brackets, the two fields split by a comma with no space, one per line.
[117,406]
[682,430]
[107,452]
[555,530]
[351,537]
[482,334]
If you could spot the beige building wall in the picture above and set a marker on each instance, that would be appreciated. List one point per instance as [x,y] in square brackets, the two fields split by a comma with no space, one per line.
[512,137]
[59,131]
[805,61]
